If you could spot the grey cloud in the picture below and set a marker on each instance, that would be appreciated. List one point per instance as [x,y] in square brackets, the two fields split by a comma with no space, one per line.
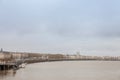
[109,30]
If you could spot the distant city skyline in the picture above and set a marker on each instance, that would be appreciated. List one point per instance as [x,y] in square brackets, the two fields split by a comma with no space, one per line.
[91,27]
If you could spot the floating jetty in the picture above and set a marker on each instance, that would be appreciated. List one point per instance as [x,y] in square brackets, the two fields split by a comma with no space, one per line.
[12,65]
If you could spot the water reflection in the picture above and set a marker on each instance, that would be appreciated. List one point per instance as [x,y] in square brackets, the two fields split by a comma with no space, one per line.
[5,73]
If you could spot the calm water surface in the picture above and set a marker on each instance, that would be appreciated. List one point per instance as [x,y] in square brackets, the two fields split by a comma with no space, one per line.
[71,70]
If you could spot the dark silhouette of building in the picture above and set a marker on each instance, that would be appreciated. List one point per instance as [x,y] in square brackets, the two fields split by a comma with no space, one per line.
[1,50]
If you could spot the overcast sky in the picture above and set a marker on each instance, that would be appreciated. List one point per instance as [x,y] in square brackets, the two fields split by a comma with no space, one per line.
[91,27]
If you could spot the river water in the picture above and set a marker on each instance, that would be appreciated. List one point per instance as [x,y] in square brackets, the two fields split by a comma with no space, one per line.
[66,70]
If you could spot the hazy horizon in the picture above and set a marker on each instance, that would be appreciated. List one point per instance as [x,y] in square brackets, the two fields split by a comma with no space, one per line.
[90,27]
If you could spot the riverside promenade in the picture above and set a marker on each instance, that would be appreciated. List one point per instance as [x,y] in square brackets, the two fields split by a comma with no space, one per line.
[12,60]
